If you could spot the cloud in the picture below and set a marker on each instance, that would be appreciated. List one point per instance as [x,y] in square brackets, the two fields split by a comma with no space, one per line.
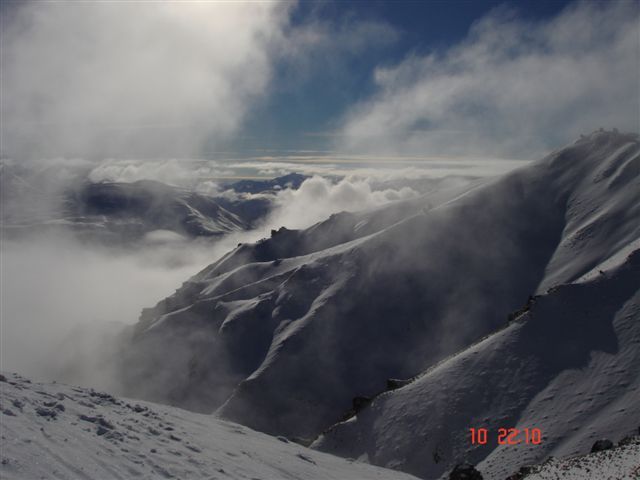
[511,88]
[388,167]
[54,287]
[318,45]
[157,79]
[133,78]
[181,173]
[318,197]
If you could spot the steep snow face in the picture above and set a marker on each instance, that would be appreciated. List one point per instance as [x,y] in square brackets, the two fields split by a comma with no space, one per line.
[281,335]
[62,432]
[568,366]
[602,210]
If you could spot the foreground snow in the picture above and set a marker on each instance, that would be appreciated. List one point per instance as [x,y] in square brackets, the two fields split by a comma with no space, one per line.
[53,431]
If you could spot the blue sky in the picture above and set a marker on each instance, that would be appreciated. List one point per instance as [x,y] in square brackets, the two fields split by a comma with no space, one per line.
[208,79]
[296,116]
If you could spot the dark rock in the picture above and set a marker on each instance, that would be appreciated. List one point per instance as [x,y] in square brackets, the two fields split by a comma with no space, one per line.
[465,471]
[3,378]
[8,412]
[105,397]
[629,440]
[522,473]
[46,412]
[113,435]
[394,383]
[603,444]
[99,420]
[359,403]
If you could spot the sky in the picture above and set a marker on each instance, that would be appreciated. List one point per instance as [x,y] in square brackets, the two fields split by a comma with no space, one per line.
[215,80]
[301,115]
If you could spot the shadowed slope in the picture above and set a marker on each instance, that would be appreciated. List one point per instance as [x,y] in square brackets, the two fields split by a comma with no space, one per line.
[286,332]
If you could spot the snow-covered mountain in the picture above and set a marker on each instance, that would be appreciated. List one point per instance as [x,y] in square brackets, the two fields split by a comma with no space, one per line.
[133,209]
[568,366]
[122,212]
[282,335]
[63,432]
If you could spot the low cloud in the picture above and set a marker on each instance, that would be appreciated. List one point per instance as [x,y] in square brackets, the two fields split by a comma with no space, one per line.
[54,287]
[512,88]
[65,301]
[318,197]
[181,173]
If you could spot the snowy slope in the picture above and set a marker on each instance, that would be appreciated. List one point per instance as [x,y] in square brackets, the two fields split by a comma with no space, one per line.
[568,366]
[620,463]
[54,431]
[281,335]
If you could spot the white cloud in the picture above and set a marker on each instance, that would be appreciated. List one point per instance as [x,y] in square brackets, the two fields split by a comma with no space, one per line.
[182,173]
[511,88]
[317,198]
[126,78]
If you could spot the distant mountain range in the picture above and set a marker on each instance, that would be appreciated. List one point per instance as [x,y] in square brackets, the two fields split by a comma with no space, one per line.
[509,302]
[124,212]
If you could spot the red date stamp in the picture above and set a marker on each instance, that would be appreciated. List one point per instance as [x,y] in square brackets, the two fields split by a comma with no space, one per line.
[507,436]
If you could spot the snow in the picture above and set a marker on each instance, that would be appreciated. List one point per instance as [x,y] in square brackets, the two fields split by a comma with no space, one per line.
[567,366]
[282,335]
[55,431]
[620,463]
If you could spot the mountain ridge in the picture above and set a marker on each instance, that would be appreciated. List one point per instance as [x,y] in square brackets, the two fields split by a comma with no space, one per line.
[447,269]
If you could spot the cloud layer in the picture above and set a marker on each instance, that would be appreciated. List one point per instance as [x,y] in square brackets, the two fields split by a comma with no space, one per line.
[511,88]
[317,198]
[135,78]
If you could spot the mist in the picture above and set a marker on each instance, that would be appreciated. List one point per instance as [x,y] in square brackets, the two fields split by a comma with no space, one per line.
[69,301]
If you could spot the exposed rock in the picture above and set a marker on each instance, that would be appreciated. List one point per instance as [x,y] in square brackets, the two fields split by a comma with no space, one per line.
[46,412]
[465,471]
[394,383]
[600,445]
[360,402]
